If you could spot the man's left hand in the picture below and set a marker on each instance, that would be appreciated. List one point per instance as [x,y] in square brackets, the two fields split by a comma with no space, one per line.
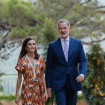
[80,78]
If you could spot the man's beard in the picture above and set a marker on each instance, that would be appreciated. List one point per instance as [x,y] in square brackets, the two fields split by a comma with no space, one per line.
[65,35]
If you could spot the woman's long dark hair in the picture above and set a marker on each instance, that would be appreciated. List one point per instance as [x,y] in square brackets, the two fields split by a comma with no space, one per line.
[24,51]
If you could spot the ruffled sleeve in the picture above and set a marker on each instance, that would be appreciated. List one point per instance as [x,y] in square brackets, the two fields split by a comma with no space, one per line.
[19,66]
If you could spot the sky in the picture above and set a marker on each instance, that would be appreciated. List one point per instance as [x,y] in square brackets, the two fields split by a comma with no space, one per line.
[102,2]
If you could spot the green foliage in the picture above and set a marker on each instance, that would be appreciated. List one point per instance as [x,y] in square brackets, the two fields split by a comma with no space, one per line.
[3,9]
[49,31]
[54,8]
[51,100]
[22,19]
[85,20]
[20,13]
[17,33]
[80,97]
[1,87]
[8,97]
[93,86]
[40,18]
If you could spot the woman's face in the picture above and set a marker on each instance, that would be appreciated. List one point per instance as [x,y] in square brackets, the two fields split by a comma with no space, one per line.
[30,47]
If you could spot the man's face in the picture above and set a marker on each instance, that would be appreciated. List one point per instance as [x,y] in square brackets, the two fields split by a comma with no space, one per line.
[63,29]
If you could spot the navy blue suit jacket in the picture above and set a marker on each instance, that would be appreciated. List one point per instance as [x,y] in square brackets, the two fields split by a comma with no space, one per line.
[57,67]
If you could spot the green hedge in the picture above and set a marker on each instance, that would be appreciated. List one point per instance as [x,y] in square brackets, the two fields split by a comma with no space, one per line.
[8,97]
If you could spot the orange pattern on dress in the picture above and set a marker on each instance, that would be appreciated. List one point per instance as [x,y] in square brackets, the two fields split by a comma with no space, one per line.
[32,92]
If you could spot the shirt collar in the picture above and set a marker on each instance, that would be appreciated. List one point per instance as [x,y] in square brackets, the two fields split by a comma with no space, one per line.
[67,39]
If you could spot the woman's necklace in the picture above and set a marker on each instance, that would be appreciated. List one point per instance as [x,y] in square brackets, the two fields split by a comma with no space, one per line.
[33,66]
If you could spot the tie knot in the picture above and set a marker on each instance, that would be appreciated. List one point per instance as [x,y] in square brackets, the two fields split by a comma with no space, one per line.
[65,40]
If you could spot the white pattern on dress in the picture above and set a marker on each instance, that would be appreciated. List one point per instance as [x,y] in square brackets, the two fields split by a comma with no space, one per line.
[32,65]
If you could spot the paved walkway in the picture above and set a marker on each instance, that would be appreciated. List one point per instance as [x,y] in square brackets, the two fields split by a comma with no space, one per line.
[81,102]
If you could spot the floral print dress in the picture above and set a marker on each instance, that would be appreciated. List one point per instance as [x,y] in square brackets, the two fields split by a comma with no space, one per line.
[32,92]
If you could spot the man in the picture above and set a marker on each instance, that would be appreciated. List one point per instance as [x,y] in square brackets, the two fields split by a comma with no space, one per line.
[66,66]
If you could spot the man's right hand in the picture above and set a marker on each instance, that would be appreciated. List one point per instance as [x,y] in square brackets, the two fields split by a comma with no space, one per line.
[49,92]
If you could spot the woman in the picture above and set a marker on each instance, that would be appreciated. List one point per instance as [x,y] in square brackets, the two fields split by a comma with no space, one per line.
[31,65]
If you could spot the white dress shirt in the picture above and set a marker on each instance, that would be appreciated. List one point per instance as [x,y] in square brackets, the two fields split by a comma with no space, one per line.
[67,41]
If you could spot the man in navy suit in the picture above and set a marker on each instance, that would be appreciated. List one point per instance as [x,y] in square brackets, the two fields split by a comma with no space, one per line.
[66,66]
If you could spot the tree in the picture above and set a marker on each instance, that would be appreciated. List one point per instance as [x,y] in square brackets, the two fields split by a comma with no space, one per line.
[49,31]
[93,86]
[86,18]
[18,20]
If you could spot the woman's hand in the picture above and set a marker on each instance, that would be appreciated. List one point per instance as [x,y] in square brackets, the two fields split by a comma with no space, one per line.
[49,92]
[17,100]
[46,95]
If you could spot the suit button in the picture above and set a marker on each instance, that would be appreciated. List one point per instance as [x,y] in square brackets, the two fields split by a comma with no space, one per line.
[67,72]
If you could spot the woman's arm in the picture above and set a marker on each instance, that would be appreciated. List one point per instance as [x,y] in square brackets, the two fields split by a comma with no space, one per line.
[44,83]
[18,87]
[43,79]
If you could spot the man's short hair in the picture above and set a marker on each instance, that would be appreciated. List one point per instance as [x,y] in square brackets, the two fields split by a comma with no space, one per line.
[62,21]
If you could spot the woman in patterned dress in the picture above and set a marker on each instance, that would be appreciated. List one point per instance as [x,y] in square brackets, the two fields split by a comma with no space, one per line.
[31,66]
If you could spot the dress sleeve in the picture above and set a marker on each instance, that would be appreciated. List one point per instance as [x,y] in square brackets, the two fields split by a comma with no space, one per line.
[19,66]
[42,62]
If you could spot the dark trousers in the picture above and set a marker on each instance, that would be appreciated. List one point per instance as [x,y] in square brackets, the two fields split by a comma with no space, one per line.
[66,96]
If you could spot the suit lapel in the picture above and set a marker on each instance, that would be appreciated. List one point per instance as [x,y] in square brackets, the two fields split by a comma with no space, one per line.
[60,49]
[70,48]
